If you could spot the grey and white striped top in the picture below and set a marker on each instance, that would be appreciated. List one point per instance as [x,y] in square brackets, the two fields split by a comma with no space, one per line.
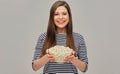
[53,67]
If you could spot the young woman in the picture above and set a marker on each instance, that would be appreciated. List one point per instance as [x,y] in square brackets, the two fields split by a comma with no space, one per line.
[60,32]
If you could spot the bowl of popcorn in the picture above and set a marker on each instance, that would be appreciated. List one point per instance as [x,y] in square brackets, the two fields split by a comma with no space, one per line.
[60,52]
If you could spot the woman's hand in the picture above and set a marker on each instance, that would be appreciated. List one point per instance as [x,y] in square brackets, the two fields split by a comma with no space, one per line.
[76,62]
[70,57]
[50,56]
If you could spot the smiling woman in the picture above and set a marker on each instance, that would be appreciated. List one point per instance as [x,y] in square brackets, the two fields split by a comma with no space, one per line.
[61,19]
[60,32]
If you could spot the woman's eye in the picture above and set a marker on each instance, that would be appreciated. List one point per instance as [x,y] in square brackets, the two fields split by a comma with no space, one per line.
[64,13]
[56,14]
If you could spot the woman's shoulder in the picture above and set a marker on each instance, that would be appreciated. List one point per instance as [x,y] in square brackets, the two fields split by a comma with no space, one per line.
[78,35]
[42,35]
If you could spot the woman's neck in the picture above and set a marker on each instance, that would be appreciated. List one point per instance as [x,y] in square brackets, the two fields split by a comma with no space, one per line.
[61,31]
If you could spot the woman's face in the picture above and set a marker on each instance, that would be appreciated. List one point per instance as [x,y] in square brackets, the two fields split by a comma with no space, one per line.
[61,17]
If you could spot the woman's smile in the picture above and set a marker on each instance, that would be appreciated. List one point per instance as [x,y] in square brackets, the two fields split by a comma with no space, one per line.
[61,22]
[61,17]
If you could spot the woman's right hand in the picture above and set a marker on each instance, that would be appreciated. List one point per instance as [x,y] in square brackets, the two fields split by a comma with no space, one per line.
[50,56]
[43,60]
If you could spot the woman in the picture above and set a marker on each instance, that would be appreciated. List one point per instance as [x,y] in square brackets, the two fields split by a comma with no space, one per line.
[60,32]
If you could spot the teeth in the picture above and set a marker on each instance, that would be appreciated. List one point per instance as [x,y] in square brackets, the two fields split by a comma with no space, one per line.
[60,21]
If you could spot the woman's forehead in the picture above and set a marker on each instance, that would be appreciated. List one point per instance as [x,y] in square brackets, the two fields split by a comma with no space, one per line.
[61,9]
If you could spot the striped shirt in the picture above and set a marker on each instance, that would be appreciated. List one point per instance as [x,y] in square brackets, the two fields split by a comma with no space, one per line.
[53,67]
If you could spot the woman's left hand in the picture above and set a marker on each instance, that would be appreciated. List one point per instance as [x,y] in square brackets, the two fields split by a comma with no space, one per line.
[70,57]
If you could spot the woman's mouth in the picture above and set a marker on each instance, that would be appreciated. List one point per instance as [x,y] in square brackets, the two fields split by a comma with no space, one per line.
[60,22]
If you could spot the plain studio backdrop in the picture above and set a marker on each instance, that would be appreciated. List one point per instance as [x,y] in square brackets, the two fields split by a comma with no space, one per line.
[22,21]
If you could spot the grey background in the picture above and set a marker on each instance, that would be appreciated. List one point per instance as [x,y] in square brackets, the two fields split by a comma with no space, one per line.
[22,21]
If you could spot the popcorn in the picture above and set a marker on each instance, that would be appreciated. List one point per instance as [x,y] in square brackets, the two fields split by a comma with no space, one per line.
[60,52]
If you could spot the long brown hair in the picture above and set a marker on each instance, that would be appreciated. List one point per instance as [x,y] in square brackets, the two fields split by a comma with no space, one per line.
[50,39]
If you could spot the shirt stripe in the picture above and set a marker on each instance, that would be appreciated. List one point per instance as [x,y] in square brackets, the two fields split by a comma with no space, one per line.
[53,67]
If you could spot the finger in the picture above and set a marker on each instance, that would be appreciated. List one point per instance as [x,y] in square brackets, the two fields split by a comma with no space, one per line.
[66,61]
[47,51]
[73,52]
[50,56]
[52,59]
[70,57]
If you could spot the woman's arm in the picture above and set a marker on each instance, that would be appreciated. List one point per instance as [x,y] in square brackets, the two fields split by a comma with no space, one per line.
[37,64]
[79,64]
[76,62]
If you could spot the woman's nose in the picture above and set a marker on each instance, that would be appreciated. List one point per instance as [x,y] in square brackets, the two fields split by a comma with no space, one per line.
[60,16]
